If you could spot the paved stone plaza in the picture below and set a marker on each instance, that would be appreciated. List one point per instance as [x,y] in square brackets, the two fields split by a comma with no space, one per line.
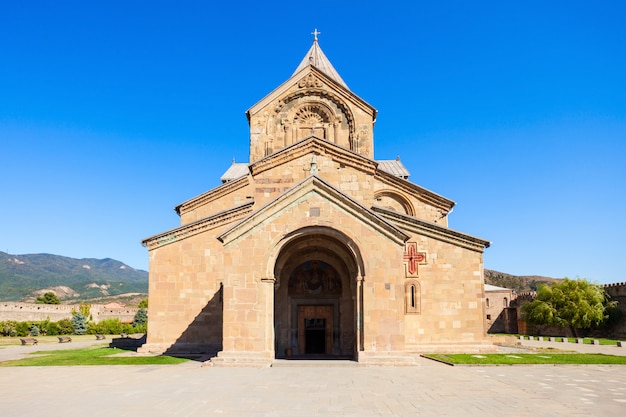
[332,388]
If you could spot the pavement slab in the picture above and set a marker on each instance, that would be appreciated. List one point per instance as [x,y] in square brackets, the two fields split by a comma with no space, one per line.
[318,389]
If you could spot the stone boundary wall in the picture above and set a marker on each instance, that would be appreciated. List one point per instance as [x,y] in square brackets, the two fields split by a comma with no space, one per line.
[16,311]
[617,292]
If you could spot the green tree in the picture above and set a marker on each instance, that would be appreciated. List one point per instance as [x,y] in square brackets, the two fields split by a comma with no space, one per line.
[141,317]
[48,298]
[143,303]
[79,323]
[577,304]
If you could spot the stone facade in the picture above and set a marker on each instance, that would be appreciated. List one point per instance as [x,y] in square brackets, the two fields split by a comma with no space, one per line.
[497,313]
[314,248]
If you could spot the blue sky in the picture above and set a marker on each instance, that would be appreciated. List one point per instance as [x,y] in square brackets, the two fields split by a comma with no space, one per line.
[112,113]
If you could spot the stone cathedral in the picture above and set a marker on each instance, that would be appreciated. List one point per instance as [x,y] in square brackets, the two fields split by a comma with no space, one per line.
[314,249]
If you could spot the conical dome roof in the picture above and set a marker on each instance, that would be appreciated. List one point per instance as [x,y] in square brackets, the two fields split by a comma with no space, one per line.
[316,57]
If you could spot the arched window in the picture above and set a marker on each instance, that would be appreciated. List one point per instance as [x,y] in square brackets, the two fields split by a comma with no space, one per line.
[412,297]
[394,201]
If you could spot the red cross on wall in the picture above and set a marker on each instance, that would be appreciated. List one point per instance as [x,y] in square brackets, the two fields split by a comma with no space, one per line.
[412,257]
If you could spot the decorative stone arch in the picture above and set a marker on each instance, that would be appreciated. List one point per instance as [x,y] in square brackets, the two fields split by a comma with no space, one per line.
[318,279]
[395,201]
[276,263]
[412,297]
[321,98]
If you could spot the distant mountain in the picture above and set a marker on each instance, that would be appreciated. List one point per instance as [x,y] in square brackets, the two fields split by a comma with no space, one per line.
[23,277]
[520,284]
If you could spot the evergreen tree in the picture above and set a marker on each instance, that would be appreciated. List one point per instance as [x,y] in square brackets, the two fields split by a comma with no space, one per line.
[141,317]
[78,322]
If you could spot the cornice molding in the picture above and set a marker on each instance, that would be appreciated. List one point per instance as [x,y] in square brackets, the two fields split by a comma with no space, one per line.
[319,146]
[212,195]
[199,226]
[433,230]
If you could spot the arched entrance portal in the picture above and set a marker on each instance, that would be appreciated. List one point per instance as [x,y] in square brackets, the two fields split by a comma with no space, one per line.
[314,302]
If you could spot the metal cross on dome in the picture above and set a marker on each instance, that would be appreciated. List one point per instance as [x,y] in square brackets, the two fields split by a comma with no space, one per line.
[315,33]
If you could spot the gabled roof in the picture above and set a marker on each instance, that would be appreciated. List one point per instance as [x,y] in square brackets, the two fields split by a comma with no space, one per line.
[316,58]
[213,194]
[489,287]
[433,230]
[301,191]
[394,167]
[235,171]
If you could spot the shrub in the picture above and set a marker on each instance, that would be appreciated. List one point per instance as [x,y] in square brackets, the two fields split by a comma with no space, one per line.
[140,328]
[108,326]
[8,328]
[43,326]
[22,328]
[53,329]
[34,330]
[65,326]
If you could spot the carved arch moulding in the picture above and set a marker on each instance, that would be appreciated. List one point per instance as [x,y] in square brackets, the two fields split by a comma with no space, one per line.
[394,201]
[327,105]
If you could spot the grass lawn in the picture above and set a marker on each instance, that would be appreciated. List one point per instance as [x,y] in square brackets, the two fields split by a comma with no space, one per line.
[95,355]
[528,359]
[586,340]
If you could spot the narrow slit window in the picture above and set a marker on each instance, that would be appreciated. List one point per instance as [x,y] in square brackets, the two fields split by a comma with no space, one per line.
[412,297]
